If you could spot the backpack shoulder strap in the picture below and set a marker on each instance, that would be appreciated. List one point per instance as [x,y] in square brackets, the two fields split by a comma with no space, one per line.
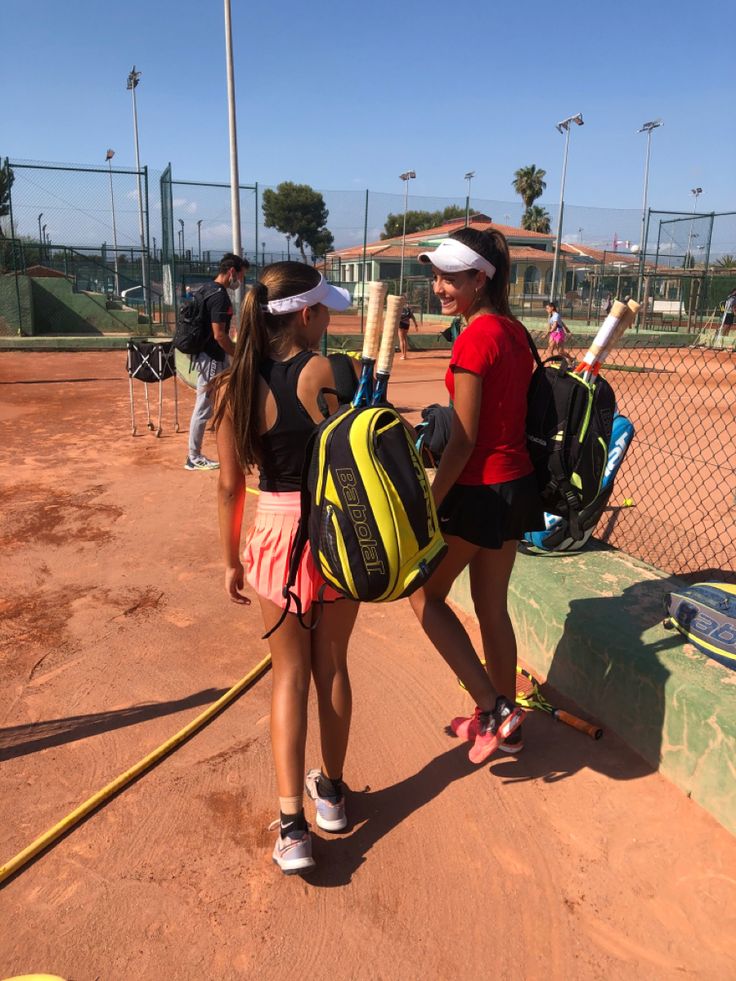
[299,543]
[532,346]
[346,381]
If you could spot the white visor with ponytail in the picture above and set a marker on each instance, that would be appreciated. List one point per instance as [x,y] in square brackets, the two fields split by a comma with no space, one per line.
[334,297]
[452,256]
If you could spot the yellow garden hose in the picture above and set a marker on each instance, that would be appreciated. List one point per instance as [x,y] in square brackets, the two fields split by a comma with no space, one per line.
[22,858]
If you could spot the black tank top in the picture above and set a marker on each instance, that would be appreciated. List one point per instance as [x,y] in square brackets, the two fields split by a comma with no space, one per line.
[283,445]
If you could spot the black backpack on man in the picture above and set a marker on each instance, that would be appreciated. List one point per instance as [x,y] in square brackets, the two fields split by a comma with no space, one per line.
[193,325]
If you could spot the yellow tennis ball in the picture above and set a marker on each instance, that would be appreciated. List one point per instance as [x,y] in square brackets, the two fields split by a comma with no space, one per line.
[628,502]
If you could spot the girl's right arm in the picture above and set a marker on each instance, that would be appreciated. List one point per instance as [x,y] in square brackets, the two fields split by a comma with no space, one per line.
[230,505]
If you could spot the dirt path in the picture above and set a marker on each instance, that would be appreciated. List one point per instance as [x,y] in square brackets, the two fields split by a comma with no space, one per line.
[573,861]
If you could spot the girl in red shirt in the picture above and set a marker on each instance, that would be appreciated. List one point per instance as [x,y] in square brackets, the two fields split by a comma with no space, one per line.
[485,489]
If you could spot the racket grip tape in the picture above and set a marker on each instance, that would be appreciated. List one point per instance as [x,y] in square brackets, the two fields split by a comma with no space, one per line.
[595,732]
[371,338]
[385,359]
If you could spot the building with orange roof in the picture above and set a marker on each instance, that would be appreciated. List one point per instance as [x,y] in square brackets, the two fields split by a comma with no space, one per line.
[532,257]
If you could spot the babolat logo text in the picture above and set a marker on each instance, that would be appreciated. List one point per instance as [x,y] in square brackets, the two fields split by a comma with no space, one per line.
[616,452]
[358,513]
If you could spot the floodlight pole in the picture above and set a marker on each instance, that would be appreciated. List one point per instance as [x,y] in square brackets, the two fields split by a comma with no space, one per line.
[564,125]
[696,191]
[647,128]
[132,84]
[110,154]
[199,239]
[468,177]
[234,175]
[40,239]
[405,177]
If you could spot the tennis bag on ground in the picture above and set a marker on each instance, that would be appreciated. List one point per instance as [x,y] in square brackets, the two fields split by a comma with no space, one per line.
[705,614]
[569,423]
[367,509]
[193,326]
[556,535]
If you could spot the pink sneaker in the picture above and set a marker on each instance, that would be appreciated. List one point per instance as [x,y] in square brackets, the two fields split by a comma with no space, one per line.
[495,727]
[466,727]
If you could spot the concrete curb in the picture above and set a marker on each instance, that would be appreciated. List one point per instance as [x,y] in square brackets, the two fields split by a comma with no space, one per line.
[591,624]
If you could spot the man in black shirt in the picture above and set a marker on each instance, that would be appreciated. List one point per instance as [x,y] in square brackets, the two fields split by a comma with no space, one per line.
[214,358]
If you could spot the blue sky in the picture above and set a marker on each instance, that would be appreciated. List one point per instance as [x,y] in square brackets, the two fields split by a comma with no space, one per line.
[346,96]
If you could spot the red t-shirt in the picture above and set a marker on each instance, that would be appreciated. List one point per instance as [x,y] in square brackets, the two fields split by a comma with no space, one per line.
[496,349]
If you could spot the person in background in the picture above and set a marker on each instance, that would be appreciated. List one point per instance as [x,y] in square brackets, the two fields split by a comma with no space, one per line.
[557,331]
[728,311]
[214,358]
[405,321]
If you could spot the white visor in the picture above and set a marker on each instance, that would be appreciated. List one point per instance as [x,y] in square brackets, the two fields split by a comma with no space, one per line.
[333,297]
[452,256]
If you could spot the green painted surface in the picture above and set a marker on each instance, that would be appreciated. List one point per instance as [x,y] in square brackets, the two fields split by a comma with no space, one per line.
[592,625]
[58,310]
[16,305]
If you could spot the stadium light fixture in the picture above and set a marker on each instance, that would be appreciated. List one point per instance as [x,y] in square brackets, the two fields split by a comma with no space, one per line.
[40,238]
[132,85]
[468,177]
[407,176]
[562,127]
[647,128]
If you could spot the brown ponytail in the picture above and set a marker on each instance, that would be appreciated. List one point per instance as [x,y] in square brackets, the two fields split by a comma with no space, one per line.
[236,390]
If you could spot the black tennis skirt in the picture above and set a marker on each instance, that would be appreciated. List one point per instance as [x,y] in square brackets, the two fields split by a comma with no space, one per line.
[491,514]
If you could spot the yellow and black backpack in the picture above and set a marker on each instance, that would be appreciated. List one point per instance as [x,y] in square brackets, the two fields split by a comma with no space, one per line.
[367,510]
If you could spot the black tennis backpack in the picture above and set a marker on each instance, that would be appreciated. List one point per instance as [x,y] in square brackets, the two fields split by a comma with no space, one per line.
[568,427]
[193,325]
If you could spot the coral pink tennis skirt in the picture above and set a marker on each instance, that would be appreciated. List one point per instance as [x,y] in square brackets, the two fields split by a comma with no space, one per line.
[267,548]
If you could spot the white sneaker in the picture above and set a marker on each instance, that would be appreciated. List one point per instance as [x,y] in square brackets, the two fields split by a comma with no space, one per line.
[201,463]
[293,854]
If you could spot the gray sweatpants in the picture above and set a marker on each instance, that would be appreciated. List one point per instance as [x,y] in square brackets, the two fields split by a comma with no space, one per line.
[207,369]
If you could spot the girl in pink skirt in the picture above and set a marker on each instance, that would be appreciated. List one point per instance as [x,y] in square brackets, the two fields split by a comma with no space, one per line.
[268,405]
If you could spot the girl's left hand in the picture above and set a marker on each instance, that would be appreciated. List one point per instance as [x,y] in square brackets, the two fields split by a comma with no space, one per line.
[234,581]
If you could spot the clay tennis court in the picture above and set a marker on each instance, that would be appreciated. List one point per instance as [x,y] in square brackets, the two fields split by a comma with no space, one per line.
[572,861]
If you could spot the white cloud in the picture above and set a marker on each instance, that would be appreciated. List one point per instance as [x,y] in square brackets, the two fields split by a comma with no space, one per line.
[184,204]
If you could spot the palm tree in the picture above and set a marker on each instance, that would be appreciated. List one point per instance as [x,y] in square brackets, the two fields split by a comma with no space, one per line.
[536,219]
[529,184]
[726,261]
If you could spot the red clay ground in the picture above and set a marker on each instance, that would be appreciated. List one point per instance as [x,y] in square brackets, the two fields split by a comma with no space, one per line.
[573,861]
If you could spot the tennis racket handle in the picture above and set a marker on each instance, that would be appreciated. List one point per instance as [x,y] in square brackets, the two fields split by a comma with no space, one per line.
[572,720]
[371,338]
[390,331]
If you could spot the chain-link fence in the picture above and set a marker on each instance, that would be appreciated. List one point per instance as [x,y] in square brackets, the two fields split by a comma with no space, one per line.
[674,504]
[88,226]
[122,252]
[111,234]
